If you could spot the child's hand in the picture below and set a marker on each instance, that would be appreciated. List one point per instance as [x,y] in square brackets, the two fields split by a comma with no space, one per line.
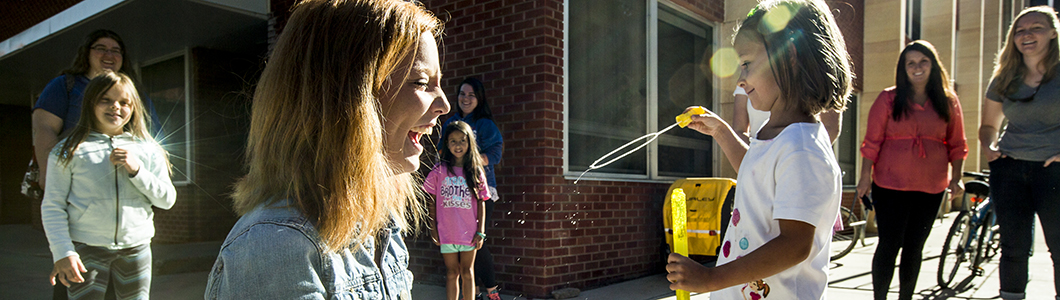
[708,123]
[478,242]
[123,158]
[68,270]
[686,274]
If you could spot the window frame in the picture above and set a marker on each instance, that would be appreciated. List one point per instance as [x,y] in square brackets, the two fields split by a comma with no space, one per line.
[854,113]
[189,126]
[651,99]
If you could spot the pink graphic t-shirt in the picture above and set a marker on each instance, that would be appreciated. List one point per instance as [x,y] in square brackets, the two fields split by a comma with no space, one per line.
[455,208]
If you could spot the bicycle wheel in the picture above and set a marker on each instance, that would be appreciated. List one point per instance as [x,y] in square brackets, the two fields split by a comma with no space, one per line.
[993,237]
[844,240]
[957,250]
[988,243]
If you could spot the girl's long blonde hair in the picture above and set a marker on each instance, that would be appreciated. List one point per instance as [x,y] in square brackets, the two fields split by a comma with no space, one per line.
[316,134]
[94,91]
[1009,69]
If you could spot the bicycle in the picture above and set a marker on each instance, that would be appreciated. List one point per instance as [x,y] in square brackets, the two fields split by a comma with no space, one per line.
[973,238]
[844,240]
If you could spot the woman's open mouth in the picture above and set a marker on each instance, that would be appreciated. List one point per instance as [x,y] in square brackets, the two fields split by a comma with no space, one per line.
[416,133]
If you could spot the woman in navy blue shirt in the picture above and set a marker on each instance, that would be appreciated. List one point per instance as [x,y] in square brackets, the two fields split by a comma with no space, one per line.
[475,110]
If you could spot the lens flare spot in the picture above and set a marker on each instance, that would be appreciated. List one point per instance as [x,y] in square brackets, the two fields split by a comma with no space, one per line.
[724,62]
[776,19]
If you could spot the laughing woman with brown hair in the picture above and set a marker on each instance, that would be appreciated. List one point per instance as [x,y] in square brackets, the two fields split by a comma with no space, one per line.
[1025,160]
[336,125]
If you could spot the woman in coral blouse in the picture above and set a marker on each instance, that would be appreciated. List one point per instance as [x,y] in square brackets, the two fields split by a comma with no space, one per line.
[915,135]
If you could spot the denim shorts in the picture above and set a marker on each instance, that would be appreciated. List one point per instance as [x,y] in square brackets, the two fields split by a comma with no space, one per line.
[454,248]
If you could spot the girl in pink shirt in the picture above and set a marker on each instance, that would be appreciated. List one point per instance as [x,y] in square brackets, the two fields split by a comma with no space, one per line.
[458,209]
[915,135]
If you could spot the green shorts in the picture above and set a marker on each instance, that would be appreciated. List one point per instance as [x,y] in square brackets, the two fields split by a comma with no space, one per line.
[454,248]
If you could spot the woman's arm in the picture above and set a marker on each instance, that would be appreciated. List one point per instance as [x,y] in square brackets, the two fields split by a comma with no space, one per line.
[871,145]
[957,145]
[865,183]
[46,129]
[989,126]
[490,142]
[956,186]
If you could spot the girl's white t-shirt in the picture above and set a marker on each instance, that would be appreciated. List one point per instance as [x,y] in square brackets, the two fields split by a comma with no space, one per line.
[792,177]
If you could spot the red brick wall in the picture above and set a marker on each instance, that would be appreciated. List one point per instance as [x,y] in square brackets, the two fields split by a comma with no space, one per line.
[548,233]
[221,114]
[850,15]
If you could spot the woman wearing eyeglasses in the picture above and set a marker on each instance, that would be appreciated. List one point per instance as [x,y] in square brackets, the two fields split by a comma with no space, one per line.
[59,106]
[1025,159]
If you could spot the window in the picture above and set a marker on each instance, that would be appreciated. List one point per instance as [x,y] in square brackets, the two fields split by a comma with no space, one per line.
[622,85]
[164,82]
[912,22]
[847,149]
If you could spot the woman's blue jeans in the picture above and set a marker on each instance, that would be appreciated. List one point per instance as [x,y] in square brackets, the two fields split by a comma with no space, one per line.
[1020,189]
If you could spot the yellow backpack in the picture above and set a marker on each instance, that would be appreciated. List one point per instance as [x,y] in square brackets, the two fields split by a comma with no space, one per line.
[707,213]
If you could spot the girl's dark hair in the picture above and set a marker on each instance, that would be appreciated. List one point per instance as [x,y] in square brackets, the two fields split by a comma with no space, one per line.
[472,162]
[938,87]
[80,66]
[482,110]
[807,53]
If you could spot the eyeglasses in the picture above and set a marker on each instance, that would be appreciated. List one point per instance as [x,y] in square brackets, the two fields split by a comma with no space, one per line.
[103,49]
[1028,98]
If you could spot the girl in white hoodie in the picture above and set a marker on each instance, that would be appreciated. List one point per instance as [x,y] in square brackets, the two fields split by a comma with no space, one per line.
[104,177]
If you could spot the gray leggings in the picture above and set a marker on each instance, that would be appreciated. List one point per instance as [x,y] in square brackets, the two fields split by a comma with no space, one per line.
[127,271]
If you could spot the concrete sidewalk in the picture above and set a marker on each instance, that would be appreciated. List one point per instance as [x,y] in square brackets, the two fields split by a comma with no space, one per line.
[181,272]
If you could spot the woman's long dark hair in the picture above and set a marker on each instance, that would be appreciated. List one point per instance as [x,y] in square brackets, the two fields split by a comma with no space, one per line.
[938,87]
[473,163]
[482,110]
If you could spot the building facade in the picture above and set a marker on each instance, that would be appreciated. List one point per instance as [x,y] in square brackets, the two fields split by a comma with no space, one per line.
[568,81]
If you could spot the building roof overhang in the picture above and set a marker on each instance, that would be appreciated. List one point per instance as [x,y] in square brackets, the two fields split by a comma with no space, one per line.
[150,29]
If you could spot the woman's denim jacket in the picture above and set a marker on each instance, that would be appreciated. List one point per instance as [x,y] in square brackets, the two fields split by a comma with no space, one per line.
[274,252]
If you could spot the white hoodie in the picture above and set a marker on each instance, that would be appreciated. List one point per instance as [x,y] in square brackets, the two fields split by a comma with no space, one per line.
[92,201]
